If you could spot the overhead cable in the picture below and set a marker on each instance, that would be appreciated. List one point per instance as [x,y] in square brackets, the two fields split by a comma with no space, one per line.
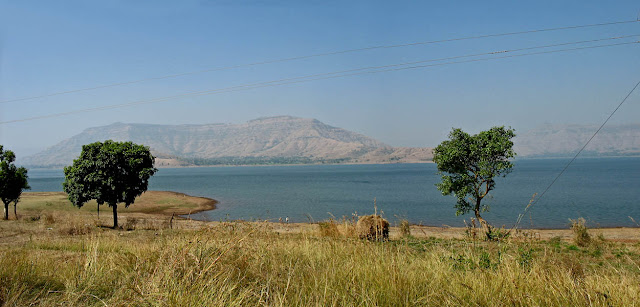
[307,78]
[318,55]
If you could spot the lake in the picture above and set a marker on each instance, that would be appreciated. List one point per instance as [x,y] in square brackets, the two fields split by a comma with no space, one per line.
[605,191]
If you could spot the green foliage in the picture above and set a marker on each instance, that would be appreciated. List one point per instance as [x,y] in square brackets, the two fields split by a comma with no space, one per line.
[109,172]
[525,257]
[497,234]
[469,164]
[13,180]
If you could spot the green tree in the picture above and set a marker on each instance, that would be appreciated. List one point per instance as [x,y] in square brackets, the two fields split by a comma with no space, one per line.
[13,180]
[109,172]
[468,165]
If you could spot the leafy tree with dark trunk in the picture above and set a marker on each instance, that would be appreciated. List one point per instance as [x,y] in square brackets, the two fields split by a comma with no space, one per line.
[468,165]
[109,172]
[13,180]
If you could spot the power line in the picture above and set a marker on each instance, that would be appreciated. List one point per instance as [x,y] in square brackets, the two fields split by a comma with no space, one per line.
[307,78]
[585,145]
[535,201]
[318,55]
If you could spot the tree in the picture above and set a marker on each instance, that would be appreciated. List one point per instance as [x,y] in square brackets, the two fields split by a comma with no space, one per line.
[468,165]
[13,180]
[109,172]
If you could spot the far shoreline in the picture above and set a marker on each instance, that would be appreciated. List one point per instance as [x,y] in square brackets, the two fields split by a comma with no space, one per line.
[247,165]
[38,168]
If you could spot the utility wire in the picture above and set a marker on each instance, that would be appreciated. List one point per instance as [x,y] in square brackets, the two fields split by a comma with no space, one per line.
[585,145]
[318,55]
[536,200]
[323,76]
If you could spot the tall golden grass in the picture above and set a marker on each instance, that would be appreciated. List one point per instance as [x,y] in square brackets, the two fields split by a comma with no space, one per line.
[249,264]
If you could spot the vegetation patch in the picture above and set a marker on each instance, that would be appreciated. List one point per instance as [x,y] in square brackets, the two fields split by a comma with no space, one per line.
[372,227]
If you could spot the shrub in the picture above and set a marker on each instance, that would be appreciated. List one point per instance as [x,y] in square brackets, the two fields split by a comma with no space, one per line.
[130,223]
[405,228]
[49,219]
[329,228]
[348,227]
[34,218]
[470,230]
[525,257]
[497,234]
[76,229]
[580,232]
[372,227]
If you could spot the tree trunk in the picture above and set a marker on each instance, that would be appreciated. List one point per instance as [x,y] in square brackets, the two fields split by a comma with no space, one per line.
[6,211]
[14,210]
[98,205]
[483,223]
[115,216]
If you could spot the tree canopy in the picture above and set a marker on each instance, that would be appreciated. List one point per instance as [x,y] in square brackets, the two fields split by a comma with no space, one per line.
[109,172]
[469,164]
[13,180]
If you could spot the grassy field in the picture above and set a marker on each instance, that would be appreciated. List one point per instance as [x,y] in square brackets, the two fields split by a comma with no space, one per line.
[69,258]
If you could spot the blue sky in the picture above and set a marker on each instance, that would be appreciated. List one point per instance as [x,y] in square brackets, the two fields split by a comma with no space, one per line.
[53,46]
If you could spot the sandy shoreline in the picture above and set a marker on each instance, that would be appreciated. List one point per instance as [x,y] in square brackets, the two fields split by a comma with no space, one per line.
[619,234]
[162,205]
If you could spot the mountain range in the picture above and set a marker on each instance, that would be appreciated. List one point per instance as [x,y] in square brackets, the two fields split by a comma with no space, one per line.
[270,140]
[566,140]
[294,140]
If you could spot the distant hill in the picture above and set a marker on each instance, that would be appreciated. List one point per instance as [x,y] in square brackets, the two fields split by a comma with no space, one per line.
[272,140]
[566,140]
[293,140]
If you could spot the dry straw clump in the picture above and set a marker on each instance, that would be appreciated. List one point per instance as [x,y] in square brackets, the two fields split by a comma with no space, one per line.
[372,227]
[405,228]
[580,232]
[329,229]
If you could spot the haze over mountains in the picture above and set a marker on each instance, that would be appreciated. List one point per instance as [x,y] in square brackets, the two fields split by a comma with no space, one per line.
[281,140]
[293,140]
[566,140]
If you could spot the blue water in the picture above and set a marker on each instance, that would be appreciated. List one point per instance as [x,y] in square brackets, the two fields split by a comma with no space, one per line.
[605,191]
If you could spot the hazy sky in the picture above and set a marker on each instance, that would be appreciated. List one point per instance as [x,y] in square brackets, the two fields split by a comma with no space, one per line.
[53,46]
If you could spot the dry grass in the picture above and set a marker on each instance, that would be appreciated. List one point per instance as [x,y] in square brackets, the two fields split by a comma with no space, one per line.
[405,228]
[581,234]
[250,264]
[73,261]
[328,229]
[151,202]
[372,227]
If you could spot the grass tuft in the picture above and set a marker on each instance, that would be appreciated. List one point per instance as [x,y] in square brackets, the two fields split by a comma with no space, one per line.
[580,232]
[328,229]
[405,228]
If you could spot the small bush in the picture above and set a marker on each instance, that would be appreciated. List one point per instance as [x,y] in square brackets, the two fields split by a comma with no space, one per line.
[34,218]
[348,227]
[329,229]
[484,261]
[556,242]
[130,223]
[580,232]
[405,228]
[470,230]
[372,227]
[497,234]
[76,229]
[49,219]
[525,257]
